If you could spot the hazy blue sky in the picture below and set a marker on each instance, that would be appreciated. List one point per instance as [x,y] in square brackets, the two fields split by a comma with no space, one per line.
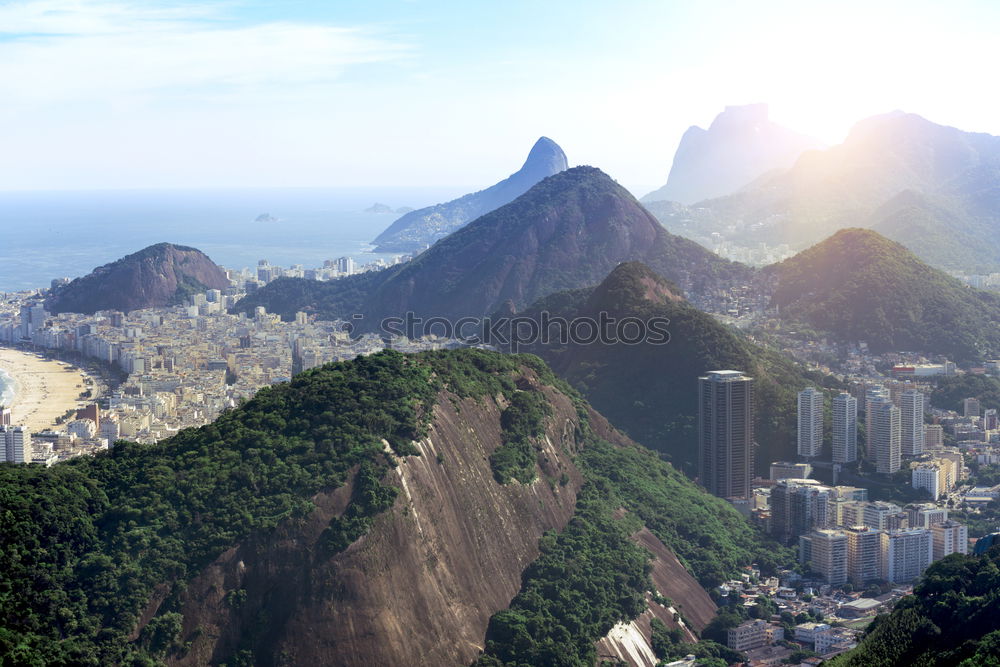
[119,94]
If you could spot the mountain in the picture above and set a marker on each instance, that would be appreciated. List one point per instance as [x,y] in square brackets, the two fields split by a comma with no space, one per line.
[933,188]
[740,145]
[422,227]
[649,389]
[860,286]
[160,275]
[568,231]
[951,619]
[389,510]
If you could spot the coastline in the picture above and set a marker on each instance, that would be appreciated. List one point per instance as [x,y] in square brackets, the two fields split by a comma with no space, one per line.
[44,389]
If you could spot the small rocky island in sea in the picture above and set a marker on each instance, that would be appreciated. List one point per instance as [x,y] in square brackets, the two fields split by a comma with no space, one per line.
[265,217]
[379,207]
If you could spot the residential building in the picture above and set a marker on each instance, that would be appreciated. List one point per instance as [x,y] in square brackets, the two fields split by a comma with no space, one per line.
[971,407]
[880,514]
[928,476]
[810,431]
[933,436]
[16,444]
[798,506]
[864,550]
[924,515]
[789,470]
[825,551]
[911,422]
[845,428]
[806,632]
[884,435]
[725,433]
[949,537]
[748,635]
[905,554]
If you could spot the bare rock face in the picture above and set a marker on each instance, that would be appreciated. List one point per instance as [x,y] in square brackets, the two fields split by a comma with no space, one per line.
[420,587]
[160,275]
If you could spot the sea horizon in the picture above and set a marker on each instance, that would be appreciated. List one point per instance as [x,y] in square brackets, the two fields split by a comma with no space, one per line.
[56,234]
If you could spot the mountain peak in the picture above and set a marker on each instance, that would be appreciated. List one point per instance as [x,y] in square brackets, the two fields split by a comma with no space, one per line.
[545,157]
[739,146]
[159,275]
[741,115]
[568,231]
[858,285]
[631,284]
[418,229]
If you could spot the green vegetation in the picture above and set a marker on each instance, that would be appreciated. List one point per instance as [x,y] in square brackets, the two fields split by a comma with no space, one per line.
[860,286]
[951,391]
[86,542]
[589,577]
[668,645]
[586,579]
[649,390]
[522,423]
[951,619]
[709,536]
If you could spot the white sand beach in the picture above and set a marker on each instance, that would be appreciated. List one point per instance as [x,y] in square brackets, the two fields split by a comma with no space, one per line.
[45,389]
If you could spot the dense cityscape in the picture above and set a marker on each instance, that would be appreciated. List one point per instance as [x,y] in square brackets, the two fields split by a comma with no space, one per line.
[637,334]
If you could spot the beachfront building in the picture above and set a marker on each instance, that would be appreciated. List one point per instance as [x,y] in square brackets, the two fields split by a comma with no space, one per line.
[16,444]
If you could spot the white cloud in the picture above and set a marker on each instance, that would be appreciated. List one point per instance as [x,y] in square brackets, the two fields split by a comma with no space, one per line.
[65,51]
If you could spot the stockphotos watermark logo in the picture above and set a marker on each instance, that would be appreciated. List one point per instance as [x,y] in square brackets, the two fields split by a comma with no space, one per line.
[519,332]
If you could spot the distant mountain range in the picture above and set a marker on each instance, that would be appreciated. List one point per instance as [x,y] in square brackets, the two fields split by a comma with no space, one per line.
[570,230]
[932,188]
[860,286]
[422,227]
[647,389]
[739,146]
[160,275]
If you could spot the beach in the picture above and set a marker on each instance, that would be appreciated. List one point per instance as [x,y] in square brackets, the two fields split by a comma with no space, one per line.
[44,391]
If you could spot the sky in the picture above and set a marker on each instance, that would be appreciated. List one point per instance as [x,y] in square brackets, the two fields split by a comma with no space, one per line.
[118,94]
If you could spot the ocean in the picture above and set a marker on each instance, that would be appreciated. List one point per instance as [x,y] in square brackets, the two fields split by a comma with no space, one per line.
[46,235]
[6,388]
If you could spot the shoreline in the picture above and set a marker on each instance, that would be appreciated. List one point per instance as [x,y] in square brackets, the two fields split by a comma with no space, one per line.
[45,389]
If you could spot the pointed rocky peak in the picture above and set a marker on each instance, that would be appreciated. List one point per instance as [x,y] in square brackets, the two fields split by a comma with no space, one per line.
[545,159]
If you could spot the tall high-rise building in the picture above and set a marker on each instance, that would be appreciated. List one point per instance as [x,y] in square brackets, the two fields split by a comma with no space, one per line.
[911,422]
[864,550]
[798,506]
[884,444]
[16,444]
[845,428]
[826,552]
[906,554]
[810,422]
[971,407]
[5,417]
[949,537]
[725,433]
